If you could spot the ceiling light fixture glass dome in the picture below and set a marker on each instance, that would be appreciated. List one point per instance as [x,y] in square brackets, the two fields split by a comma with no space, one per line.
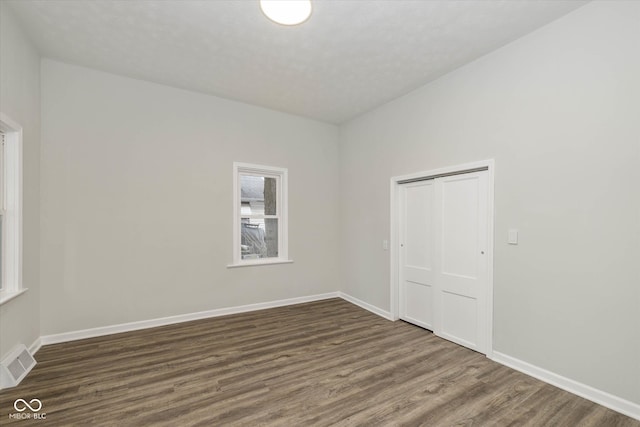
[286,12]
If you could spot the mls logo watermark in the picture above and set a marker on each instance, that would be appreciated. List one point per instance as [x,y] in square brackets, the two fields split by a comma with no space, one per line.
[34,406]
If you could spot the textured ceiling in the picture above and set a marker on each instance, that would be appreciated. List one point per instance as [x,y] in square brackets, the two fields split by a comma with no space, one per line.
[350,57]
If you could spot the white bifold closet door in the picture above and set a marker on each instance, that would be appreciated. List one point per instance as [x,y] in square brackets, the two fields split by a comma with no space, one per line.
[443,261]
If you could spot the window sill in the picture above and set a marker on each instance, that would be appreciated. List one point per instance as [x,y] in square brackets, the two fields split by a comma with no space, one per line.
[6,296]
[260,262]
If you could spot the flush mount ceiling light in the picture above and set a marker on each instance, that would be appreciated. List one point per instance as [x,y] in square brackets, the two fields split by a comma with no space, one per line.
[286,12]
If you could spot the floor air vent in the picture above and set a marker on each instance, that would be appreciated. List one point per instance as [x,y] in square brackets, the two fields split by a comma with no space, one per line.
[16,366]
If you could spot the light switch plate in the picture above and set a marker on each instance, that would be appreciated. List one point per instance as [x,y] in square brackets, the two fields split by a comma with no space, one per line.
[513,237]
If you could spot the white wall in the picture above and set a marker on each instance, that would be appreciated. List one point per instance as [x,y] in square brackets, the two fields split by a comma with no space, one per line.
[559,110]
[137,200]
[20,100]
[136,193]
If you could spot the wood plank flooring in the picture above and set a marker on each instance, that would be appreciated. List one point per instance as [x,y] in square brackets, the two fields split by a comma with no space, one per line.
[326,363]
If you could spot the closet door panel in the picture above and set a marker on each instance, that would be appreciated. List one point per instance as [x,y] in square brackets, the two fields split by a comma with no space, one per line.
[461,274]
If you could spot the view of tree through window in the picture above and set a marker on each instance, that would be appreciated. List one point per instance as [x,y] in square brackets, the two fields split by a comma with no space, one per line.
[259,216]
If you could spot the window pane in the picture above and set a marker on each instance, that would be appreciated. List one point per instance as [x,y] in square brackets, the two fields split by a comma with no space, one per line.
[270,196]
[259,238]
[271,237]
[252,242]
[258,195]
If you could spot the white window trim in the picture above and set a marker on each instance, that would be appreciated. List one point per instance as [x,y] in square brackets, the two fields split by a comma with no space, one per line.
[12,232]
[283,222]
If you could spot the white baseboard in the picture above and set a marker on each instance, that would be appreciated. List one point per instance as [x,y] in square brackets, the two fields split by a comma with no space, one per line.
[372,308]
[603,398]
[598,396]
[152,323]
[35,346]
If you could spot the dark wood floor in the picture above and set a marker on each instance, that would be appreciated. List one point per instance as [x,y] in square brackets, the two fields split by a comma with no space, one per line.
[323,363]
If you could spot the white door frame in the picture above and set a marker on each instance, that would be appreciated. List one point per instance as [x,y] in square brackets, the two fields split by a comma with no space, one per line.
[394,252]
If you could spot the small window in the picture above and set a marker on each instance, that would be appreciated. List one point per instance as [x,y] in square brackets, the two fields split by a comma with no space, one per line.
[10,209]
[260,215]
